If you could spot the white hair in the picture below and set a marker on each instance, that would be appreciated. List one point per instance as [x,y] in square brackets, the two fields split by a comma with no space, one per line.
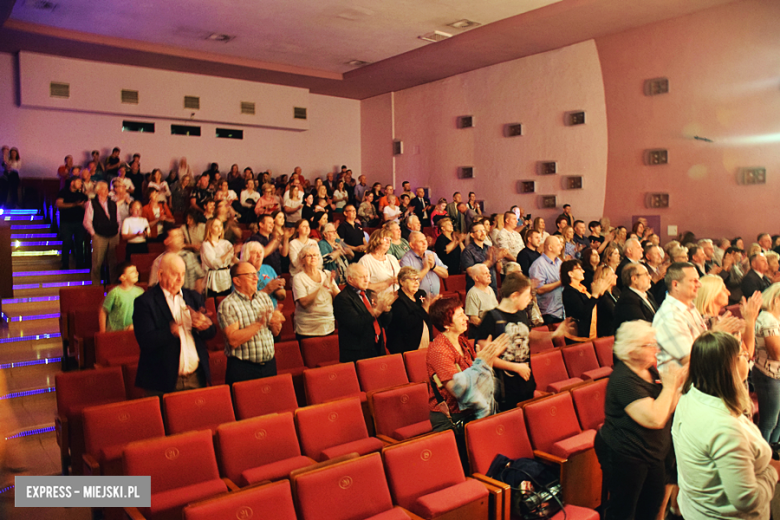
[247,249]
[631,336]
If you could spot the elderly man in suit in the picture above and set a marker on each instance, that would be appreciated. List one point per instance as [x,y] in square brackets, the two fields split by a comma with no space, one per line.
[172,332]
[361,320]
[635,302]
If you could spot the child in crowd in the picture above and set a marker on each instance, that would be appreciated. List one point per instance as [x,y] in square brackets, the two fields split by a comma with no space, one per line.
[135,230]
[117,310]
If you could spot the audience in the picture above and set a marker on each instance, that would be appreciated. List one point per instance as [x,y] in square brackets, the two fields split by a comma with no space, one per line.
[636,302]
[579,303]
[480,299]
[430,268]
[546,272]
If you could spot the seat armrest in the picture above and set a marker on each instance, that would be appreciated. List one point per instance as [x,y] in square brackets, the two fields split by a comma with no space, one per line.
[548,457]
[91,466]
[386,439]
[499,497]
[132,513]
[230,484]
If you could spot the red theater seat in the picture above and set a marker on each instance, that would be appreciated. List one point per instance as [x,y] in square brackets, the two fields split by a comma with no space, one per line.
[589,402]
[550,372]
[289,361]
[416,367]
[400,413]
[331,382]
[258,449]
[320,352]
[271,500]
[603,348]
[264,396]
[200,409]
[381,372]
[581,362]
[116,348]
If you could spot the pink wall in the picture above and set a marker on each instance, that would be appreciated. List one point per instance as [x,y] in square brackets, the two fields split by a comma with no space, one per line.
[44,136]
[723,66]
[534,91]
[376,129]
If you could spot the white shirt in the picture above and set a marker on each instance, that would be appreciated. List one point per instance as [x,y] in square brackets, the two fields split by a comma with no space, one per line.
[381,271]
[676,328]
[511,241]
[188,359]
[133,225]
[317,319]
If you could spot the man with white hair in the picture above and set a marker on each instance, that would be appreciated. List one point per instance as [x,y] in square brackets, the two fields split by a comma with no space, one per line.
[101,222]
[361,315]
[171,328]
[632,254]
[480,298]
[431,269]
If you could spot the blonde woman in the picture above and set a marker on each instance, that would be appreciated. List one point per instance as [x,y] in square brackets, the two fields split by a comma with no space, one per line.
[382,267]
[711,301]
[298,242]
[217,255]
[313,292]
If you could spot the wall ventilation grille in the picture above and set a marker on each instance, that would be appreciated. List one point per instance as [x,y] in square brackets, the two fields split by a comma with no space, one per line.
[130,97]
[299,113]
[59,90]
[247,107]
[192,102]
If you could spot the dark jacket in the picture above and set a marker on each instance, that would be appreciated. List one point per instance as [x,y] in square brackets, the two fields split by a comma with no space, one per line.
[356,326]
[753,282]
[580,308]
[158,366]
[406,327]
[419,209]
[631,307]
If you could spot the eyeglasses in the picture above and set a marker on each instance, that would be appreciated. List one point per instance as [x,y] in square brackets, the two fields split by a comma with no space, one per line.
[411,279]
[248,274]
[310,256]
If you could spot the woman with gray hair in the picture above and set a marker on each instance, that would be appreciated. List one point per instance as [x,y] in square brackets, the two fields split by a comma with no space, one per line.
[633,444]
[267,280]
[335,257]
[313,292]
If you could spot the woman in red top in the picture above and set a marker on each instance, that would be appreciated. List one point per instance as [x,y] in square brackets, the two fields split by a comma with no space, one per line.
[157,213]
[448,354]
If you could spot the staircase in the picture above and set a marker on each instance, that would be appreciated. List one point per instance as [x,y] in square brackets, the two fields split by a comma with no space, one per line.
[30,353]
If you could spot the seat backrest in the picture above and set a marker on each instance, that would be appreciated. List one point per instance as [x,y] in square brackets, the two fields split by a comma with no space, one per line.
[77,390]
[455,282]
[320,351]
[116,344]
[143,262]
[331,424]
[83,322]
[503,433]
[540,345]
[174,461]
[120,423]
[351,489]
[272,500]
[550,420]
[395,408]
[255,442]
[416,367]
[200,409]
[217,366]
[589,403]
[72,298]
[422,466]
[580,358]
[129,373]
[263,396]
[548,368]
[381,372]
[603,348]
[331,382]
[288,355]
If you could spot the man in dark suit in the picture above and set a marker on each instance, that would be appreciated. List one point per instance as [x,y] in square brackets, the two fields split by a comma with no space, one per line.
[755,279]
[654,262]
[635,302]
[172,333]
[360,319]
[422,207]
[632,254]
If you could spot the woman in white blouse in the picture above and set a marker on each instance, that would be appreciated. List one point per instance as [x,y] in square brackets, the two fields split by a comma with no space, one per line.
[157,182]
[313,292]
[297,243]
[135,230]
[217,255]
[382,268]
[725,467]
[225,193]
[293,205]
[340,197]
[391,212]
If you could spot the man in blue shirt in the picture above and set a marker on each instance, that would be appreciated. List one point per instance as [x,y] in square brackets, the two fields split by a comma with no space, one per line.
[426,262]
[546,272]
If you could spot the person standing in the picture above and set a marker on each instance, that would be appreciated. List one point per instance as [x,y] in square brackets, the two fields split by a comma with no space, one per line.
[100,221]
[249,324]
[71,203]
[547,271]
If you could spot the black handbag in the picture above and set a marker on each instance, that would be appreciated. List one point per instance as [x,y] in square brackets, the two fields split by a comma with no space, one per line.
[536,490]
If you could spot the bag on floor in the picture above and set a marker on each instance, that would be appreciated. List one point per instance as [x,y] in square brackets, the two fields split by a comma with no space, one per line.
[536,490]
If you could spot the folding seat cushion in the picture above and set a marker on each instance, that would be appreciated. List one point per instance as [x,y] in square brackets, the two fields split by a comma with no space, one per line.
[550,372]
[320,352]
[264,396]
[200,409]
[333,429]
[401,413]
[332,382]
[426,477]
[603,348]
[260,448]
[354,489]
[589,403]
[109,428]
[381,372]
[270,501]
[416,368]
[597,373]
[183,469]
[553,426]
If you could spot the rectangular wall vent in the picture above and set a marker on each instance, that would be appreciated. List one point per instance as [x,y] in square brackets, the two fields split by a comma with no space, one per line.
[398,147]
[657,200]
[230,133]
[299,112]
[466,122]
[466,172]
[59,90]
[548,168]
[130,97]
[192,102]
[548,201]
[248,107]
[137,126]
[752,175]
[573,182]
[513,130]
[575,118]
[185,130]
[526,186]
[656,86]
